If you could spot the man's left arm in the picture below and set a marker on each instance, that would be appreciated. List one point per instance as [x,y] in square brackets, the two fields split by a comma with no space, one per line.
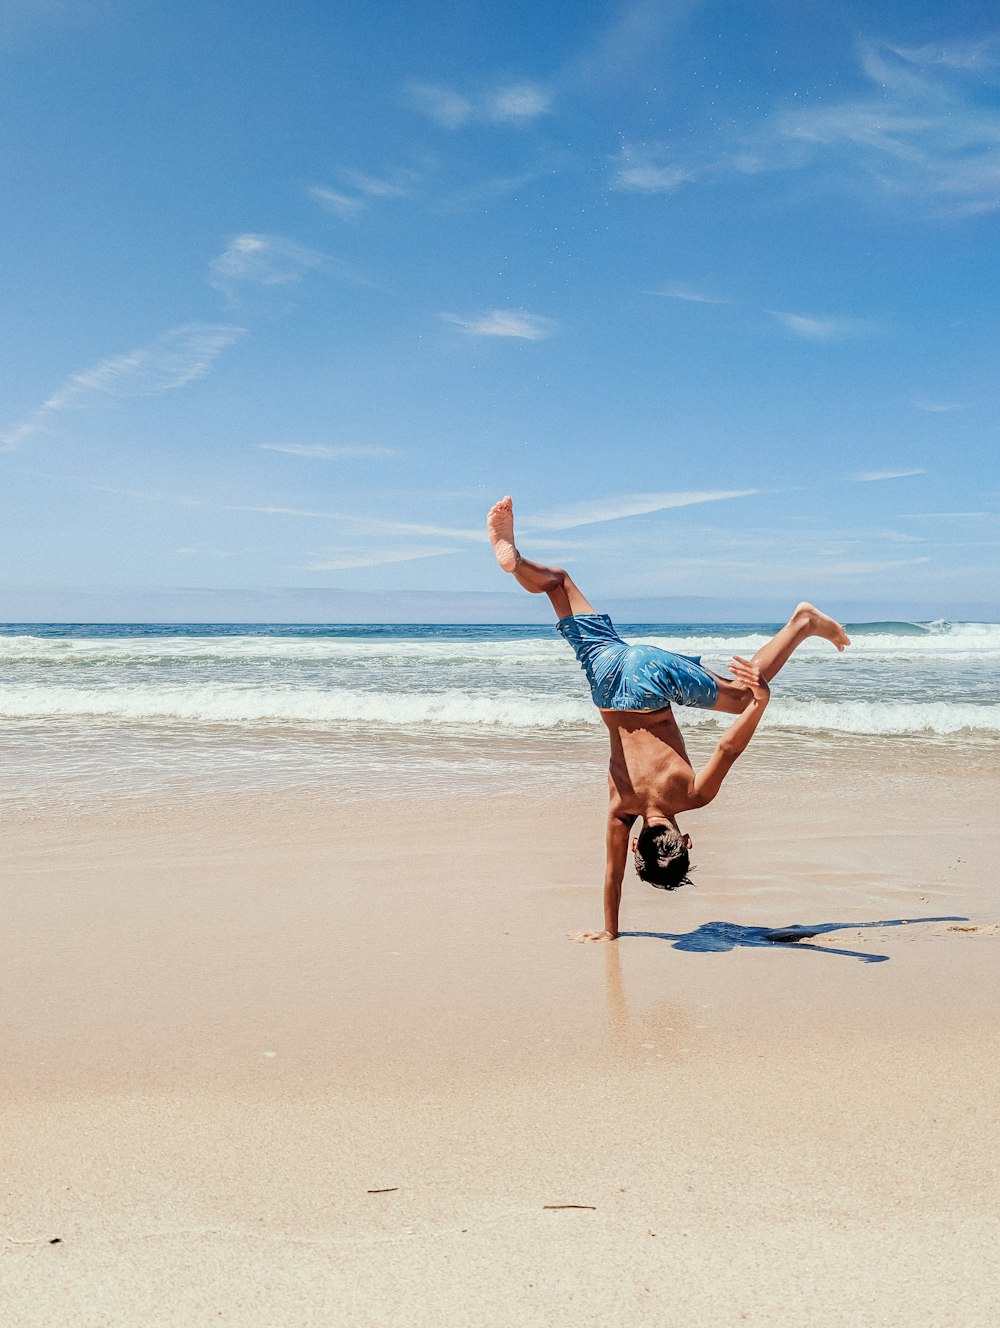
[735,740]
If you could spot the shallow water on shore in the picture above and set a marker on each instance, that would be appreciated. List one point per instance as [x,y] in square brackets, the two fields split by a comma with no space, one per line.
[92,711]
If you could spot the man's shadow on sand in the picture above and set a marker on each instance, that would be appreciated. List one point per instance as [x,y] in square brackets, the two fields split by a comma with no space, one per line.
[718,937]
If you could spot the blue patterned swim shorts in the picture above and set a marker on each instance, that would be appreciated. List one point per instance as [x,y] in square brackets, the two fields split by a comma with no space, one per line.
[640,677]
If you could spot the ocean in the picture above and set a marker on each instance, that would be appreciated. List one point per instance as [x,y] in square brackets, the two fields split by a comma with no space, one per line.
[125,710]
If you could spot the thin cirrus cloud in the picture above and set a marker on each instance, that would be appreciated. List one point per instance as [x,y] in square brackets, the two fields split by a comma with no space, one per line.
[649,170]
[812,327]
[638,504]
[510,104]
[868,476]
[179,356]
[263,260]
[373,525]
[357,558]
[363,188]
[924,133]
[332,452]
[940,516]
[938,407]
[805,327]
[863,568]
[505,323]
[336,201]
[690,296]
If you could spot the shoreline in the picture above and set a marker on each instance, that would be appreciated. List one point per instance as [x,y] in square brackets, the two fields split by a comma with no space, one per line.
[225,766]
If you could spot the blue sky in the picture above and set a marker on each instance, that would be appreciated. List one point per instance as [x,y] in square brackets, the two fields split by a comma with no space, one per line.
[293,293]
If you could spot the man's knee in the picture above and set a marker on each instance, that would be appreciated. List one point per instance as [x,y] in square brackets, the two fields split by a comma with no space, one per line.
[732,698]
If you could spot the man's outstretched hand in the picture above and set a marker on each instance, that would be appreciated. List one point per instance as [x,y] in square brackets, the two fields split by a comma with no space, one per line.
[749,675]
[585,936]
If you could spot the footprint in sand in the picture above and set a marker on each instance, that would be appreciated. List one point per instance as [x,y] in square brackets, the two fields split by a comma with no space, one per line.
[971,929]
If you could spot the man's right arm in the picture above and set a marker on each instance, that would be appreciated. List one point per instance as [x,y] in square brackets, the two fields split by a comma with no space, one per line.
[735,740]
[617,837]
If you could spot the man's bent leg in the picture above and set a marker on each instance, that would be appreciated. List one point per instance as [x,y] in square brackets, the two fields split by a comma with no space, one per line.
[771,658]
[565,596]
[806,621]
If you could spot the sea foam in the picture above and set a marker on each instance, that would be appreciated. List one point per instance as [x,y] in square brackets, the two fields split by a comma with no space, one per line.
[260,707]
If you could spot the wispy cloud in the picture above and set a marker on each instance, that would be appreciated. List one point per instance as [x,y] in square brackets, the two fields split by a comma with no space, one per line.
[364,524]
[264,260]
[517,103]
[449,109]
[180,356]
[867,476]
[940,516]
[376,186]
[505,323]
[690,296]
[633,39]
[477,536]
[938,407]
[861,568]
[333,453]
[979,55]
[336,201]
[636,504]
[812,327]
[510,103]
[807,327]
[650,169]
[344,560]
[363,188]
[752,570]
[499,186]
[924,133]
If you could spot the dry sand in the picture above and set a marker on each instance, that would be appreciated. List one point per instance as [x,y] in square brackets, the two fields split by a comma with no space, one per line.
[227,1023]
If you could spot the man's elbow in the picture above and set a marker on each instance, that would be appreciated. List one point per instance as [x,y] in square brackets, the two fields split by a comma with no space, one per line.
[730,750]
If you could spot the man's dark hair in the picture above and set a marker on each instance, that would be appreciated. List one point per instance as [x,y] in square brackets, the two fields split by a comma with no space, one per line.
[661,857]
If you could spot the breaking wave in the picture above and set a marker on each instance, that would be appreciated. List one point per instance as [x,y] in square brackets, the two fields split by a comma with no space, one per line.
[295,707]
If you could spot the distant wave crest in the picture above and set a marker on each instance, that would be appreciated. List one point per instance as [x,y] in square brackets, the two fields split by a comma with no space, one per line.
[891,640]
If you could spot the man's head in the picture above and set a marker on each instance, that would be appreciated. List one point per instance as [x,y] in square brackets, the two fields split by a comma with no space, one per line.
[661,856]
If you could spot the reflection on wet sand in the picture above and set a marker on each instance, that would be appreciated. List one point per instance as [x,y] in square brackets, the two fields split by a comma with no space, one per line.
[653,1033]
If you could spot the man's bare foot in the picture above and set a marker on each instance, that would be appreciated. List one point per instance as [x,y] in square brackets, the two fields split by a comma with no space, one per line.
[821,624]
[586,936]
[500,528]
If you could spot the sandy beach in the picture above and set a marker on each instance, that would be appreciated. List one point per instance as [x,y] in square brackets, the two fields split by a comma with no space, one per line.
[439,443]
[288,1059]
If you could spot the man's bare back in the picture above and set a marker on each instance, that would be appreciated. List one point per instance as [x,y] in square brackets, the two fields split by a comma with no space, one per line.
[650,775]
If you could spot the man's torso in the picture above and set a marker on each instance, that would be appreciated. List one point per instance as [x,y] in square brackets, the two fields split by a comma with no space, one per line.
[649,769]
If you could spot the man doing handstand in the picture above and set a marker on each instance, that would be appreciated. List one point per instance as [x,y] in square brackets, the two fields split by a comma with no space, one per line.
[634,687]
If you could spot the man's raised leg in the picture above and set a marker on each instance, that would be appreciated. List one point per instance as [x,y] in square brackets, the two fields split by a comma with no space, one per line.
[564,594]
[806,621]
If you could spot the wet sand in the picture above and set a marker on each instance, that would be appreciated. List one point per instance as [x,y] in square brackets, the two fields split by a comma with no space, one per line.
[292,1060]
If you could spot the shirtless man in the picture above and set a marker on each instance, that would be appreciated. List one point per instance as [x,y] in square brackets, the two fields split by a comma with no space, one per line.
[650,774]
